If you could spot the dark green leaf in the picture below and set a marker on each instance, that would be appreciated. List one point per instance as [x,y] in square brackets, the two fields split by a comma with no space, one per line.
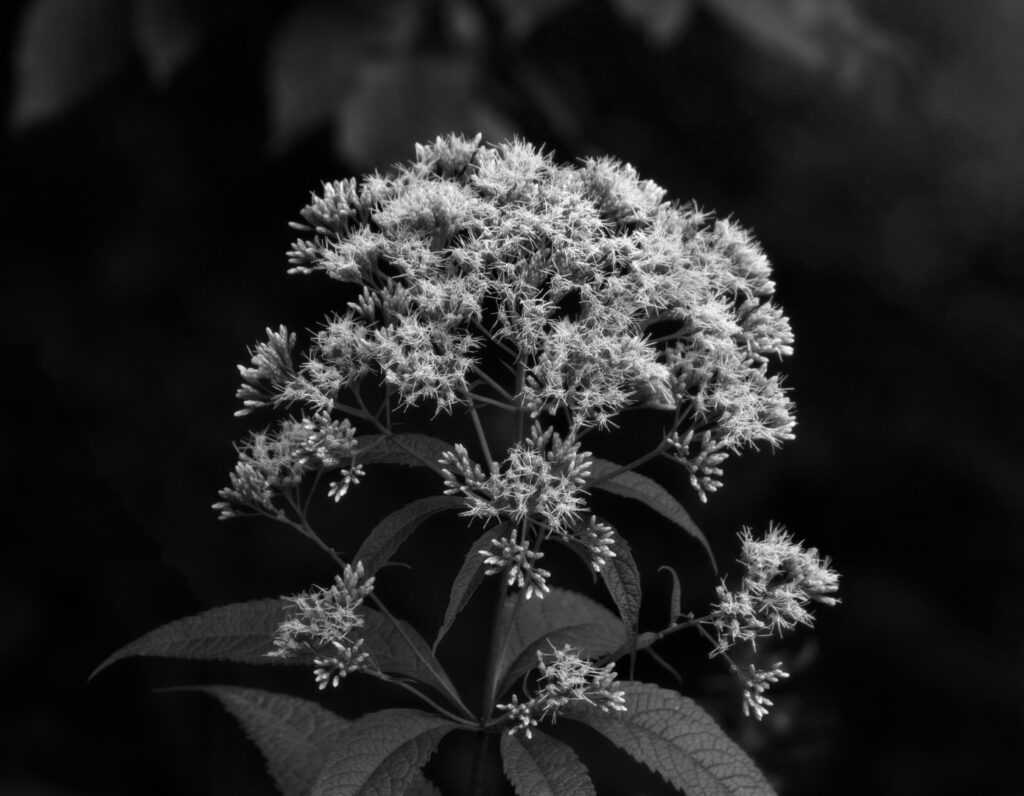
[675,607]
[295,735]
[410,450]
[523,16]
[317,56]
[401,650]
[64,51]
[661,21]
[241,632]
[412,97]
[562,617]
[635,486]
[825,35]
[622,578]
[381,753]
[674,737]
[244,633]
[167,33]
[543,766]
[465,583]
[398,526]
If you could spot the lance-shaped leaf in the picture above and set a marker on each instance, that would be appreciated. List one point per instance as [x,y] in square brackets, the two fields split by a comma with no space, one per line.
[468,578]
[675,606]
[396,648]
[674,737]
[562,617]
[240,632]
[295,735]
[635,486]
[244,633]
[381,753]
[398,526]
[543,766]
[410,450]
[622,577]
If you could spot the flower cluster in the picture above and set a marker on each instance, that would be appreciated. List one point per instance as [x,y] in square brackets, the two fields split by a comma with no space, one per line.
[519,565]
[566,678]
[541,479]
[755,683]
[780,580]
[604,295]
[277,459]
[320,624]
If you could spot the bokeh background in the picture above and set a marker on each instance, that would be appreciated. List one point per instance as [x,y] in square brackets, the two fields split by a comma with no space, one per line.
[153,153]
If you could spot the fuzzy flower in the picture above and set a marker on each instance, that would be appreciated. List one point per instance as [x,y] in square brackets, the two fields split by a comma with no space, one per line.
[519,565]
[271,369]
[279,458]
[541,480]
[607,296]
[520,715]
[755,683]
[597,540]
[780,580]
[565,679]
[320,625]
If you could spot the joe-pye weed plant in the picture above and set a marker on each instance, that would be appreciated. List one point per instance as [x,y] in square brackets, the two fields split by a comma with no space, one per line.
[540,303]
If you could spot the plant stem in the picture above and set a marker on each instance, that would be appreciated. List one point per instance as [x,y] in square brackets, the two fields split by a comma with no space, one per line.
[504,617]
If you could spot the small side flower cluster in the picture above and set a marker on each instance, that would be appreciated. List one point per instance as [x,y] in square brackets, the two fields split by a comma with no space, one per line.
[519,565]
[780,580]
[320,624]
[535,494]
[277,459]
[566,678]
[541,480]
[755,683]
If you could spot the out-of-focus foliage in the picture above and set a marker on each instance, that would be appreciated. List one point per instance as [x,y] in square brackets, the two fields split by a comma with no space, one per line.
[385,73]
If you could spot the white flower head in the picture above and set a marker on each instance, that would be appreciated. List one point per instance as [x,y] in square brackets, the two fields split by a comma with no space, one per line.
[780,580]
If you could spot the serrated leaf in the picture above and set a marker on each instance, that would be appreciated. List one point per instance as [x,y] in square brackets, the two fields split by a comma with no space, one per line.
[380,754]
[562,617]
[674,737]
[543,766]
[295,735]
[622,578]
[410,450]
[421,786]
[402,650]
[64,51]
[244,633]
[635,486]
[470,575]
[239,632]
[398,526]
[167,33]
[661,20]
[675,606]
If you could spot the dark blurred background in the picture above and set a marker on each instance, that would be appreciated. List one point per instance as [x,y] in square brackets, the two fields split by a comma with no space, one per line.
[154,152]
